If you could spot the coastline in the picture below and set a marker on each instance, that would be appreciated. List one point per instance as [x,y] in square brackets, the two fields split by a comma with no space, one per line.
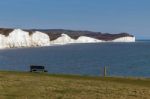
[20,38]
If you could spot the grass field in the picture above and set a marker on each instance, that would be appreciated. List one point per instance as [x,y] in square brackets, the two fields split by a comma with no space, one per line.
[19,85]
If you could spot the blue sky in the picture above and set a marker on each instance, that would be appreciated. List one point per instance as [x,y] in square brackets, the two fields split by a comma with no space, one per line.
[113,16]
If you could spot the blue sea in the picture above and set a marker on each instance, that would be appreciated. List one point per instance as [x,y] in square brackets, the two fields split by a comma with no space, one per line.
[121,59]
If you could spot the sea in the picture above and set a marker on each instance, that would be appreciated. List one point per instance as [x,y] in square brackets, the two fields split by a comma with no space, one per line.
[119,59]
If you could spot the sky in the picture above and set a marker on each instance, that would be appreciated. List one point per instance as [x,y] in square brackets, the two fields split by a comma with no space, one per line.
[107,16]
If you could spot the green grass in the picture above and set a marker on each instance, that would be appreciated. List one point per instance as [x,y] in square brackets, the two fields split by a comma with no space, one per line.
[23,85]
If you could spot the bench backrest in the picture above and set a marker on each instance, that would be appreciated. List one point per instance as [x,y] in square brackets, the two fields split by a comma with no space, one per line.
[37,67]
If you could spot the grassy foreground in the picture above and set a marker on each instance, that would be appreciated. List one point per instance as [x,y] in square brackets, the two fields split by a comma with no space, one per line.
[17,85]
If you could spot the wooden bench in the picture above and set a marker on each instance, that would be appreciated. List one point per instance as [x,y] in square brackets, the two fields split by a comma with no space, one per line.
[36,68]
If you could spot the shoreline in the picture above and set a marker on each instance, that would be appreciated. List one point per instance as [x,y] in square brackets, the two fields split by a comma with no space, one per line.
[55,45]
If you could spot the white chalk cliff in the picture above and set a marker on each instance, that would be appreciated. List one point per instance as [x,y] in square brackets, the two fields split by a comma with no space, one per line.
[85,39]
[124,39]
[39,39]
[19,38]
[63,39]
[3,41]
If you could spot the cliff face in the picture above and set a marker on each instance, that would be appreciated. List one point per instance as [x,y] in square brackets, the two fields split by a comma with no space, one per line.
[63,39]
[124,39]
[85,39]
[18,38]
[39,39]
[10,38]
